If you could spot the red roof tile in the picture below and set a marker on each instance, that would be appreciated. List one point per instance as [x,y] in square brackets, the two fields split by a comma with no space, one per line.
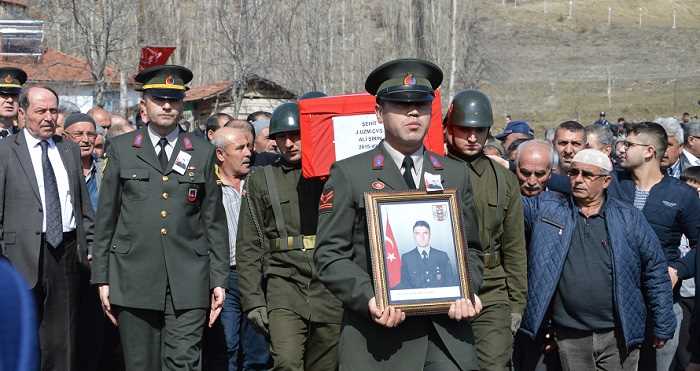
[208,91]
[15,2]
[55,66]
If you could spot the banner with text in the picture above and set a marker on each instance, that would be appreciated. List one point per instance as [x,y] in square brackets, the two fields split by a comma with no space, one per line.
[335,128]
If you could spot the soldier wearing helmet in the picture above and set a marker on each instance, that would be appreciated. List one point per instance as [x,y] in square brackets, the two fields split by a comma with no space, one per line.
[500,216]
[274,256]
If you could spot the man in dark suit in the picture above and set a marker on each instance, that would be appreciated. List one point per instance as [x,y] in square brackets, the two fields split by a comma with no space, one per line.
[46,221]
[384,339]
[161,249]
[425,266]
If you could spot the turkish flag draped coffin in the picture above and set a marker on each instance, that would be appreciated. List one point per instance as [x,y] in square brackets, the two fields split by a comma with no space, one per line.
[335,128]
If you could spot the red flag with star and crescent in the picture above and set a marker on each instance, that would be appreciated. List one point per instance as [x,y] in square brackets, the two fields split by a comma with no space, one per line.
[392,257]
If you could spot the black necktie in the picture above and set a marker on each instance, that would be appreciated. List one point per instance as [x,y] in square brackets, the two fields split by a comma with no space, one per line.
[54,224]
[4,133]
[162,156]
[407,165]
[424,254]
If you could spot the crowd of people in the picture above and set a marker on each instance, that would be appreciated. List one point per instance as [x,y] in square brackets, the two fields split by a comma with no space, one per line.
[149,246]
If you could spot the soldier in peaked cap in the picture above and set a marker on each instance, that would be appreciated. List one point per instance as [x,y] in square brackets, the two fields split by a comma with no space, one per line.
[11,81]
[374,339]
[274,256]
[161,252]
[501,229]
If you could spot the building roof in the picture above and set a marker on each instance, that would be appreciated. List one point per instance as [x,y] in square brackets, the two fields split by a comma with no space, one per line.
[208,91]
[57,67]
[22,3]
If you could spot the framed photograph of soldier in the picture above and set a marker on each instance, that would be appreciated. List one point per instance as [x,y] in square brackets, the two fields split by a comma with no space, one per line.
[417,249]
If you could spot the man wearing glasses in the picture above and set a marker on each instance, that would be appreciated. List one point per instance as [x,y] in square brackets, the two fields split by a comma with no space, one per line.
[599,321]
[670,207]
[81,130]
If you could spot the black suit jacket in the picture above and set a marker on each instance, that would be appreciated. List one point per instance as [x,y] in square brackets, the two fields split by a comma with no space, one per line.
[436,271]
[21,214]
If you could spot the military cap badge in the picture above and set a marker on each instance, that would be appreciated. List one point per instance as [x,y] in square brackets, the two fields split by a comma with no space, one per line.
[409,79]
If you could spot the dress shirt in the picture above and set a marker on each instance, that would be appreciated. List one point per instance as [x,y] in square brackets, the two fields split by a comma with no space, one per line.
[692,159]
[171,137]
[421,249]
[417,158]
[232,205]
[59,169]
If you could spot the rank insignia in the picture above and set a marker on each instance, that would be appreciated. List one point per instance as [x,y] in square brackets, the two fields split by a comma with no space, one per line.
[409,79]
[169,80]
[138,140]
[378,185]
[437,164]
[187,143]
[8,79]
[326,201]
[192,195]
[378,162]
[439,212]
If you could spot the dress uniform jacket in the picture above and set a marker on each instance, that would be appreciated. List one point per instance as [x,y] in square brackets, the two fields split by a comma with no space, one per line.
[283,265]
[501,230]
[344,264]
[160,228]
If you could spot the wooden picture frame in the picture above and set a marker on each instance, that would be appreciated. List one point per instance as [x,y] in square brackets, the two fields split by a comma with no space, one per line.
[432,274]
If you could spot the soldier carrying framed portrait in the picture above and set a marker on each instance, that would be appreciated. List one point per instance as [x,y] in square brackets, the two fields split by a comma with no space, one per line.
[418,250]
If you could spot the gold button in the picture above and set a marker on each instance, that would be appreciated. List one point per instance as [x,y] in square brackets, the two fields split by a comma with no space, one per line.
[163,232]
[165,195]
[163,214]
[165,178]
[133,175]
[190,173]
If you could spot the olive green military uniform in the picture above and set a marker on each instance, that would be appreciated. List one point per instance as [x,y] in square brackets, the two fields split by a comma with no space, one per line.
[161,245]
[274,252]
[501,231]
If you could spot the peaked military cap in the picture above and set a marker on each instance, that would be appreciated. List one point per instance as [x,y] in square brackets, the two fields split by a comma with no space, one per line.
[11,80]
[166,81]
[405,80]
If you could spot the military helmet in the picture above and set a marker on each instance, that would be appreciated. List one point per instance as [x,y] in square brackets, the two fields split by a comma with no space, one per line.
[285,119]
[470,108]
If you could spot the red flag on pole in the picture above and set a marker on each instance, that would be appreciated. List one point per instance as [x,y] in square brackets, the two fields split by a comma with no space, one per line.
[154,56]
[393,259]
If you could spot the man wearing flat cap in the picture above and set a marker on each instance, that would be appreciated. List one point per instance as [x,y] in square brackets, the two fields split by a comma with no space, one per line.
[374,339]
[11,81]
[596,270]
[161,253]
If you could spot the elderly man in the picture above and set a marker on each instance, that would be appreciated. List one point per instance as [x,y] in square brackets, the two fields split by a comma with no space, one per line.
[533,166]
[600,320]
[234,148]
[81,130]
[569,138]
[671,163]
[600,137]
[262,141]
[691,147]
[46,221]
[102,118]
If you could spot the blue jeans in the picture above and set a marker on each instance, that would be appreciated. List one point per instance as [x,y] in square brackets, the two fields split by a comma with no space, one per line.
[240,333]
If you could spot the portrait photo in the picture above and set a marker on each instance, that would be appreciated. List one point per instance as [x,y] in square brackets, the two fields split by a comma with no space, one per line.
[417,250]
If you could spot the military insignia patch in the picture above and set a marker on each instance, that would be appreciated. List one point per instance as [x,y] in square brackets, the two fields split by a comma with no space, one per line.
[378,162]
[437,164]
[169,80]
[192,195]
[138,140]
[409,79]
[187,143]
[439,212]
[325,203]
[8,79]
[378,185]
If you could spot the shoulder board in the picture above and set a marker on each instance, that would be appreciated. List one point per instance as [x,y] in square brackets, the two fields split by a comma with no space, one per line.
[186,142]
[138,140]
[378,162]
[436,162]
